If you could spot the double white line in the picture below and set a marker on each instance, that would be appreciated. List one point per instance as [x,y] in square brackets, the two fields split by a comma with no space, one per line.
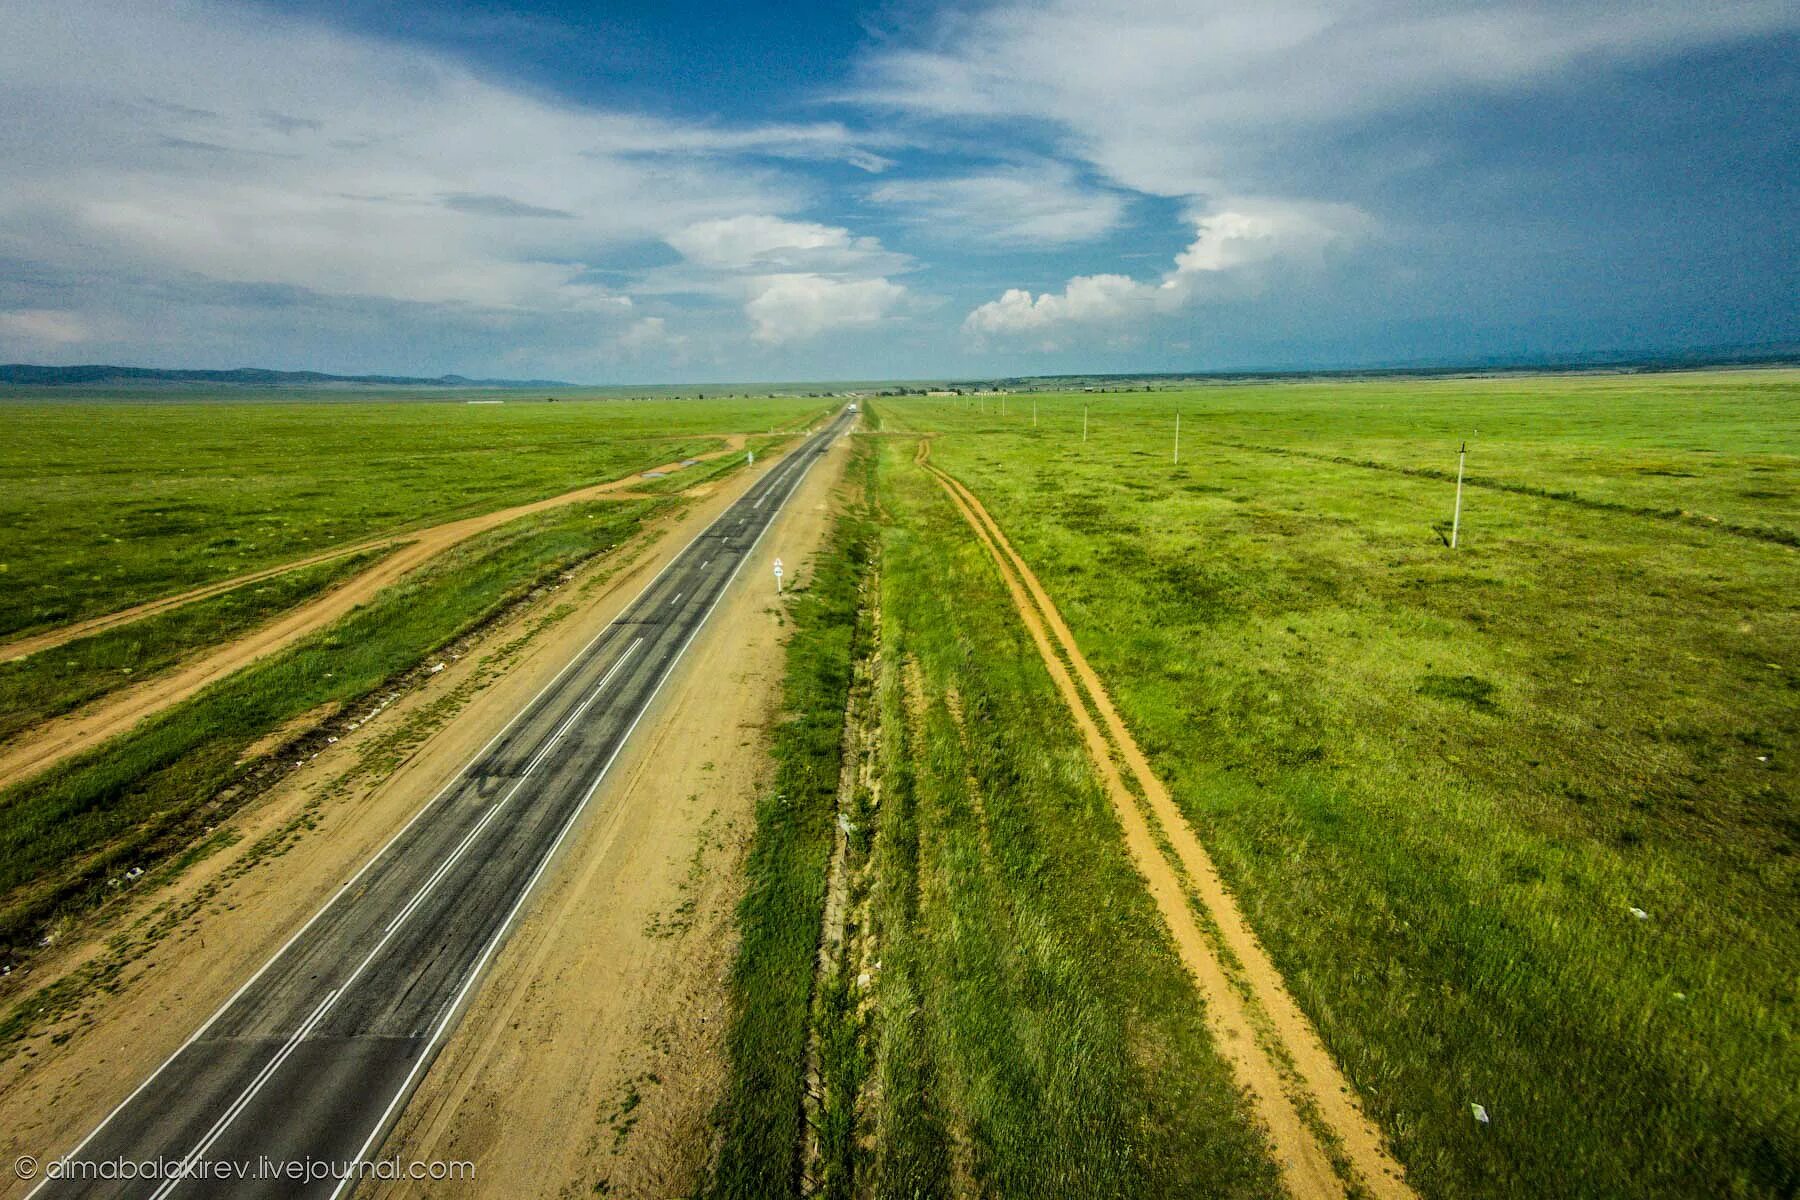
[232,1113]
[801,462]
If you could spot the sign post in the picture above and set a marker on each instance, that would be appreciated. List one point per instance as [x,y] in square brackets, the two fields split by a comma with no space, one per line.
[778,577]
[1456,516]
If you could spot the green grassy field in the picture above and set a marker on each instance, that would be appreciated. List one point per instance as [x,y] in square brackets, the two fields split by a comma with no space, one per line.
[314,473]
[108,502]
[56,681]
[1444,785]
[1026,1028]
[150,793]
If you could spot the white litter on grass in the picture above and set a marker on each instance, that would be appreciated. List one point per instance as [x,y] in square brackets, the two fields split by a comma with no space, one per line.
[845,825]
[862,981]
[330,741]
[437,668]
[1480,1114]
[1640,914]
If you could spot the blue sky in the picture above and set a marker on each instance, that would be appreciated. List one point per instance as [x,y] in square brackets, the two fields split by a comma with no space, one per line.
[685,191]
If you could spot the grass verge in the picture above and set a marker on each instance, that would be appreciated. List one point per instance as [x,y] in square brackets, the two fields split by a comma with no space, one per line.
[63,678]
[151,793]
[1516,823]
[760,1117]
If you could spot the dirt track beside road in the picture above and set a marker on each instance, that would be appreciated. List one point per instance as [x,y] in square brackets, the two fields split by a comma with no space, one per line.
[595,1052]
[1274,1052]
[235,907]
[43,746]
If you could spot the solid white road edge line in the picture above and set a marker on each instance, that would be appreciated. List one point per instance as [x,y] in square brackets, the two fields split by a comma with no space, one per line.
[373,859]
[437,1033]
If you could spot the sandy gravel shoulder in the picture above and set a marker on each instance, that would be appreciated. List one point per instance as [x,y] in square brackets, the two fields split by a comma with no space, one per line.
[192,941]
[592,1058]
[37,749]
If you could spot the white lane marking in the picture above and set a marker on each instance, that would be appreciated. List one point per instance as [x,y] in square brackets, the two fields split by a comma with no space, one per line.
[677,600]
[299,933]
[231,1114]
[450,860]
[704,564]
[437,1032]
[244,1097]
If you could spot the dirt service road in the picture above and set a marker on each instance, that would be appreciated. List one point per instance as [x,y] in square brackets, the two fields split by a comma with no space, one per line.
[317,1052]
[43,747]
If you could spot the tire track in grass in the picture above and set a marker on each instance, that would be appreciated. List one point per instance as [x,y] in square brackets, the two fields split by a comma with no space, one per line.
[42,747]
[1273,1049]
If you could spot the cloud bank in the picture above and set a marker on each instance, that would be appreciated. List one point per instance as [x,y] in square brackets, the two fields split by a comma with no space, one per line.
[1230,243]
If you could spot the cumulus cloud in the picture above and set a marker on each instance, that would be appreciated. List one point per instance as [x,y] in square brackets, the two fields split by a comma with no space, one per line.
[1177,98]
[44,327]
[798,279]
[793,307]
[1230,242]
[1041,204]
[767,243]
[647,334]
[199,140]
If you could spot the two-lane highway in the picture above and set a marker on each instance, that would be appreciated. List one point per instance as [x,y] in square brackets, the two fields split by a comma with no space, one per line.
[312,1059]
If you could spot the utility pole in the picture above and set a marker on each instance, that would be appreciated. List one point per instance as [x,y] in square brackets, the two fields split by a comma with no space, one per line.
[1456,518]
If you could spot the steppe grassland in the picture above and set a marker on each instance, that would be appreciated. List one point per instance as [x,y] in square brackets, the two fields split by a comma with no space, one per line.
[147,795]
[1444,785]
[1013,1019]
[119,498]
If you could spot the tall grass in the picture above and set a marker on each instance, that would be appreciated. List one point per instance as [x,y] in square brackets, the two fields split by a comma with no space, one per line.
[1035,1033]
[149,793]
[780,916]
[52,682]
[105,504]
[1444,785]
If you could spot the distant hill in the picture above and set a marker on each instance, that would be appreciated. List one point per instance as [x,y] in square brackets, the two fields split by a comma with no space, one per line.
[90,376]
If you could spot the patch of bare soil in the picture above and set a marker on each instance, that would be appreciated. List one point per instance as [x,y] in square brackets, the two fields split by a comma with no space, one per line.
[45,745]
[166,959]
[593,1056]
[1275,1054]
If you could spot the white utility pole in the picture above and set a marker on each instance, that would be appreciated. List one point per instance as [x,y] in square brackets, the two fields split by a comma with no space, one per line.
[1456,518]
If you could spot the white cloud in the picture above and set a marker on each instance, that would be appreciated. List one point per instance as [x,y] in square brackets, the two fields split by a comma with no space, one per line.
[1042,204]
[794,307]
[1178,98]
[799,279]
[1231,242]
[766,243]
[648,334]
[44,327]
[194,140]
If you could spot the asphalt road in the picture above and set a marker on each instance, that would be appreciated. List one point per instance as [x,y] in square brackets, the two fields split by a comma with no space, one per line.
[314,1057]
